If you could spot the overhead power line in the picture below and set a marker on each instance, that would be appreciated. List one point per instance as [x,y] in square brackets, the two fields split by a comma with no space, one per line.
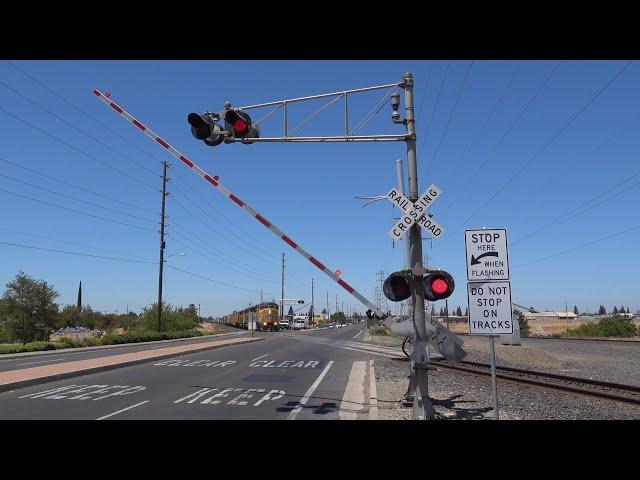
[77,129]
[211,280]
[435,105]
[76,211]
[554,137]
[465,188]
[75,107]
[453,110]
[66,252]
[73,147]
[78,187]
[472,144]
[76,199]
[564,252]
[51,239]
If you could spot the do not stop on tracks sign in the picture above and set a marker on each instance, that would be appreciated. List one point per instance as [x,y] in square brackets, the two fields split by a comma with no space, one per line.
[489,308]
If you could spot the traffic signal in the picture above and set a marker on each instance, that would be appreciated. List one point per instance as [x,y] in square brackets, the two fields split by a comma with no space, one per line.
[438,285]
[204,127]
[398,286]
[239,124]
[300,301]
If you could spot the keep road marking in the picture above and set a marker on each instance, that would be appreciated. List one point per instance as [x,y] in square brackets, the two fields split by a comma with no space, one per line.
[294,413]
[123,410]
[258,358]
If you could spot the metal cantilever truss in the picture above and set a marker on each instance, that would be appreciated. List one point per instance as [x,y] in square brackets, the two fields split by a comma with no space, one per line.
[335,97]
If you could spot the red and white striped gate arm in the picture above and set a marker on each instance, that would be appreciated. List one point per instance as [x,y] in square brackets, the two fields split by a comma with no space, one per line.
[227,193]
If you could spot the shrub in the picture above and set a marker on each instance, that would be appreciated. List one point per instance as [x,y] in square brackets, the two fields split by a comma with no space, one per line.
[607,327]
[379,330]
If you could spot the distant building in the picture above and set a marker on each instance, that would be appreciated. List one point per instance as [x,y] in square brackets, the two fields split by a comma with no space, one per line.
[550,315]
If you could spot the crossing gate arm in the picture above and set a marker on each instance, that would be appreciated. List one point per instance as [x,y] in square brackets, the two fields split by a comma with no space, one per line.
[227,193]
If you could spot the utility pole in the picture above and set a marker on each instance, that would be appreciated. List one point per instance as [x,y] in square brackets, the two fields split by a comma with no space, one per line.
[261,296]
[328,316]
[282,292]
[162,243]
[199,310]
[313,310]
[422,408]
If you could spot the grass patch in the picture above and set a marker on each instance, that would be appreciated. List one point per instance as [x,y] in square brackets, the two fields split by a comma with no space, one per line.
[381,331]
[108,339]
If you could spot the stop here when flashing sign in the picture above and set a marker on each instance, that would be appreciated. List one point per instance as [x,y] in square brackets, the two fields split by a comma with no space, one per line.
[487,255]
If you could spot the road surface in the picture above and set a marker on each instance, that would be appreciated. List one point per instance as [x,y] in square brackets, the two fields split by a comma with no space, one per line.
[290,375]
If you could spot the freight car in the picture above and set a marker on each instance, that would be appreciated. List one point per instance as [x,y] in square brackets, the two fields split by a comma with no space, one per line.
[264,314]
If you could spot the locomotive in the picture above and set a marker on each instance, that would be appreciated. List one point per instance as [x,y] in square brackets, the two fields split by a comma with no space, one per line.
[264,314]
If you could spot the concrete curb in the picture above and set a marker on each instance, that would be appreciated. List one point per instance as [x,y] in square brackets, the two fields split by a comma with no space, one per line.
[105,347]
[62,376]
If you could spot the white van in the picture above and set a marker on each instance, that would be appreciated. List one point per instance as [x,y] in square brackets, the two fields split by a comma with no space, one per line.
[299,322]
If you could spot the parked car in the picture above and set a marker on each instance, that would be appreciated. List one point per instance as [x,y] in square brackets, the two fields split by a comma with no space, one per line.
[284,325]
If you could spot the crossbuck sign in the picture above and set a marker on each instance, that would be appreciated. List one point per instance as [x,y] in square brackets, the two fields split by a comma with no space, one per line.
[415,212]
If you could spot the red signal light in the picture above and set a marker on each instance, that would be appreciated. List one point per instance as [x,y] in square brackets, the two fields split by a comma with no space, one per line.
[240,127]
[439,286]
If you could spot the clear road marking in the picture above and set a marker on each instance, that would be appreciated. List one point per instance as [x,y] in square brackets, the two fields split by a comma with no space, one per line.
[192,363]
[64,392]
[41,361]
[353,398]
[286,364]
[123,410]
[258,358]
[373,393]
[294,413]
[358,334]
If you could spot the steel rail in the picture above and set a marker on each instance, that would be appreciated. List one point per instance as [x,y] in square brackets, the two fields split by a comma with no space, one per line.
[592,388]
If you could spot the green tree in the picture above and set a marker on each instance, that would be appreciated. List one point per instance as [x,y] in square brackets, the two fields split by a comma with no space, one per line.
[173,318]
[69,316]
[522,321]
[615,310]
[31,311]
[575,309]
[338,317]
[433,310]
[466,311]
[602,310]
[459,312]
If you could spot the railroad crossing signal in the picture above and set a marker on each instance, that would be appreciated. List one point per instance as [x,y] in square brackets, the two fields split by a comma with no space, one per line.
[415,212]
[399,286]
[237,125]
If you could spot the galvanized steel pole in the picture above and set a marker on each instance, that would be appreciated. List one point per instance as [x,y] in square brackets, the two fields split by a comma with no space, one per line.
[422,408]
[162,244]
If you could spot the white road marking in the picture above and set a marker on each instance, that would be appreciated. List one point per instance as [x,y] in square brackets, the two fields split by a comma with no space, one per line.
[373,393]
[353,398]
[123,410]
[260,357]
[358,334]
[294,413]
[42,361]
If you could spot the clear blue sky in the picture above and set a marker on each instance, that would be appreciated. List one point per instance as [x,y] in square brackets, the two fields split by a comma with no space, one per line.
[307,189]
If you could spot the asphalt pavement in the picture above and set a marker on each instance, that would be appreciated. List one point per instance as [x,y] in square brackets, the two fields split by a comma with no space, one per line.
[286,376]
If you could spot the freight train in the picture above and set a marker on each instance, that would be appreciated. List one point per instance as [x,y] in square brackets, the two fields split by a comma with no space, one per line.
[265,316]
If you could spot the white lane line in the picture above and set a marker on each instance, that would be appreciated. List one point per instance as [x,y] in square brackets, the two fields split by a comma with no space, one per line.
[41,361]
[294,413]
[358,334]
[123,410]
[353,398]
[373,393]
[260,357]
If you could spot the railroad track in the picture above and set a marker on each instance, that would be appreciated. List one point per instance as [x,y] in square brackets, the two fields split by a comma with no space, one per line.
[591,388]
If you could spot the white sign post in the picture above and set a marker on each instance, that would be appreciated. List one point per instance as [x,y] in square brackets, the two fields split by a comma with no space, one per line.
[489,291]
